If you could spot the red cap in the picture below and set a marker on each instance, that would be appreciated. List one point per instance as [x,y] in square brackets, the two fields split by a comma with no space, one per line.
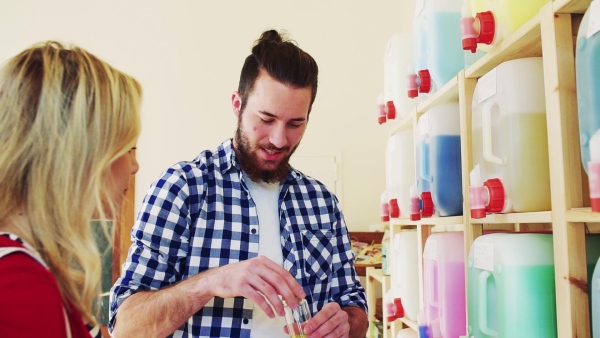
[385,218]
[595,203]
[399,307]
[496,192]
[428,207]
[487,27]
[381,119]
[415,211]
[425,86]
[391,110]
[477,213]
[470,44]
[394,208]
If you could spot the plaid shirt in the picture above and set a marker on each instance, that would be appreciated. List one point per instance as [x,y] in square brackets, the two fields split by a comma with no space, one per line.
[199,215]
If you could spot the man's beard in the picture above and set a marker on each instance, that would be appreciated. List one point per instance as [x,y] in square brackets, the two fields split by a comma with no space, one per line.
[251,164]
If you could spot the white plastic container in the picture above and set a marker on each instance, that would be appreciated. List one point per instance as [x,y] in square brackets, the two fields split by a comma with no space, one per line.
[400,172]
[510,142]
[405,272]
[438,56]
[396,59]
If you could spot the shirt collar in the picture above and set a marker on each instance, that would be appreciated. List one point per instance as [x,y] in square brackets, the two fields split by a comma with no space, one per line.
[227,160]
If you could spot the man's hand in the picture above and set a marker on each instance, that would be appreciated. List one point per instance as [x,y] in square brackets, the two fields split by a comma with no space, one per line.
[331,321]
[259,280]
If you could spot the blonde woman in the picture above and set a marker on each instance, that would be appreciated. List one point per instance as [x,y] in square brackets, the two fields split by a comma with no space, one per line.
[68,123]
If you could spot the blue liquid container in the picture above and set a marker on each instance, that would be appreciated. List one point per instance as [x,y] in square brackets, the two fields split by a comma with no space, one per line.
[588,83]
[445,159]
[438,55]
[511,286]
[588,101]
[446,57]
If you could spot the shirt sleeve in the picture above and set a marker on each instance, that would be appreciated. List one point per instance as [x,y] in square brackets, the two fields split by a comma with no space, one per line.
[346,288]
[160,238]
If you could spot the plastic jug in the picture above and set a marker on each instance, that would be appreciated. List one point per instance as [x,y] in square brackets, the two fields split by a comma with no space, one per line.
[396,59]
[510,142]
[423,167]
[400,172]
[437,56]
[444,285]
[511,286]
[488,22]
[445,159]
[588,86]
[405,273]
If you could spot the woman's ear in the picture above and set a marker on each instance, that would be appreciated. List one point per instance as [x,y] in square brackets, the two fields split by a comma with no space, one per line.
[236,103]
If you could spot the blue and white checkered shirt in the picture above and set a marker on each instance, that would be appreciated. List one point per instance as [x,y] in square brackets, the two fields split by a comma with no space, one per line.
[199,215]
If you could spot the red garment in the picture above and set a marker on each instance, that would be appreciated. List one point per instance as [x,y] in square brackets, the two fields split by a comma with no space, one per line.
[30,301]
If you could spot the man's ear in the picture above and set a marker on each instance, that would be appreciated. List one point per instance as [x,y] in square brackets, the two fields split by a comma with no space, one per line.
[236,103]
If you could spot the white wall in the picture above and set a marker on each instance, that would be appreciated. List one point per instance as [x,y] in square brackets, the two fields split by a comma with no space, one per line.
[188,54]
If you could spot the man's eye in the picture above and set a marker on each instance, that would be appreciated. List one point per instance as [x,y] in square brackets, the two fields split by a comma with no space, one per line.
[266,121]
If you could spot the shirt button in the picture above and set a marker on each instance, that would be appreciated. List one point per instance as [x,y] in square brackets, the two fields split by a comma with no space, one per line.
[245,321]
[253,231]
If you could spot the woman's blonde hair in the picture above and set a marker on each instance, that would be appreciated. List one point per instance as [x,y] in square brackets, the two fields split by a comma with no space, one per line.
[65,116]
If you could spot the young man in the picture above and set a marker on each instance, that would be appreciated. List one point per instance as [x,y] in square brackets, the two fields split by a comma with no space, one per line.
[222,240]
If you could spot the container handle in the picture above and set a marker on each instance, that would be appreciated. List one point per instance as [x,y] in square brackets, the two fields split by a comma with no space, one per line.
[482,313]
[486,122]
[431,289]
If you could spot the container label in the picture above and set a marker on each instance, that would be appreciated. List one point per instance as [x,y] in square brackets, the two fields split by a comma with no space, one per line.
[483,256]
[430,249]
[594,19]
[486,86]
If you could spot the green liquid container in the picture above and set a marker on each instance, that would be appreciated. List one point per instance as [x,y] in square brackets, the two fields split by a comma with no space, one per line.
[511,289]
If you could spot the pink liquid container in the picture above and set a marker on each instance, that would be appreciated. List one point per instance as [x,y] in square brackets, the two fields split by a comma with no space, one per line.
[396,59]
[510,142]
[489,22]
[405,272]
[444,285]
[588,100]
[437,57]
[511,286]
[400,172]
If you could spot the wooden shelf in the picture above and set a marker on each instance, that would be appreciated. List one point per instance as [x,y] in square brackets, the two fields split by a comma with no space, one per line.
[451,220]
[411,324]
[403,124]
[525,42]
[524,217]
[583,215]
[571,6]
[448,93]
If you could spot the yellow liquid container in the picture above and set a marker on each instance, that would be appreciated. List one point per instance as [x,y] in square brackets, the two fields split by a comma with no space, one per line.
[485,23]
[510,142]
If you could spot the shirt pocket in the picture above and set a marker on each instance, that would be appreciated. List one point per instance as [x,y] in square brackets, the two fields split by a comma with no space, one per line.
[318,252]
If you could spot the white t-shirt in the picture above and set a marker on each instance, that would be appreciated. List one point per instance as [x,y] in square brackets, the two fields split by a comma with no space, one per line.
[266,198]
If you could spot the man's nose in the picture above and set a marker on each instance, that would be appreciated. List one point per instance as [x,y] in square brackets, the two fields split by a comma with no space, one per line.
[278,136]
